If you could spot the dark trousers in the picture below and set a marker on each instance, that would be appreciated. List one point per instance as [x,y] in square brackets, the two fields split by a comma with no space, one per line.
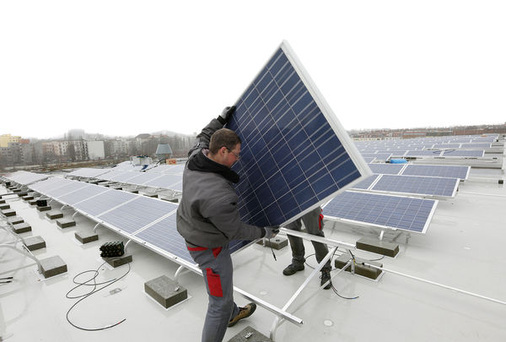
[217,269]
[313,226]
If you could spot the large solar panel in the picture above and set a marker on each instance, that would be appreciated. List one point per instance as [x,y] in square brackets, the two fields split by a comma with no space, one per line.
[295,154]
[382,211]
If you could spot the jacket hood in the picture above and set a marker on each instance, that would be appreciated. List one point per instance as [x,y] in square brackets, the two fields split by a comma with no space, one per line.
[202,163]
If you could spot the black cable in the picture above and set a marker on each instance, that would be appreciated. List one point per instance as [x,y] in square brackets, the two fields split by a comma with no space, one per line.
[332,284]
[272,250]
[93,291]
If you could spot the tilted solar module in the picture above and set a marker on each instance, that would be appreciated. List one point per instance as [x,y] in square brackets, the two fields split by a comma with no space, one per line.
[295,154]
[464,153]
[379,156]
[386,169]
[88,172]
[56,187]
[83,194]
[418,185]
[25,177]
[46,185]
[137,213]
[167,181]
[423,153]
[366,183]
[452,171]
[382,211]
[68,187]
[106,201]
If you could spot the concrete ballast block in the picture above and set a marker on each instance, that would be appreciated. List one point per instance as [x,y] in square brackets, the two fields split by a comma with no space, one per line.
[378,246]
[249,334]
[118,261]
[53,266]
[165,291]
[54,214]
[35,242]
[21,228]
[15,220]
[277,242]
[85,237]
[360,269]
[65,223]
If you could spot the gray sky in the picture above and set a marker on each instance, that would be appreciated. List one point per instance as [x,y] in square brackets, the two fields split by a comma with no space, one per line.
[128,67]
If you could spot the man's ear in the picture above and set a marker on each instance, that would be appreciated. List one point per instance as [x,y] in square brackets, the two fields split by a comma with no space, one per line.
[222,150]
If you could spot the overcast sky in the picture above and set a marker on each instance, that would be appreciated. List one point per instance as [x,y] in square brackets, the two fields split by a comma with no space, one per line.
[129,67]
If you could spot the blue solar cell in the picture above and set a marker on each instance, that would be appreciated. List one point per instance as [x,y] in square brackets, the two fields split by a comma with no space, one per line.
[24,177]
[394,212]
[48,185]
[431,186]
[452,171]
[164,236]
[136,214]
[423,153]
[103,202]
[386,169]
[83,194]
[464,153]
[294,153]
[366,183]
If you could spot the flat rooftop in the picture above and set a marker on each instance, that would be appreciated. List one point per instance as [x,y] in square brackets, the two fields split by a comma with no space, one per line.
[445,285]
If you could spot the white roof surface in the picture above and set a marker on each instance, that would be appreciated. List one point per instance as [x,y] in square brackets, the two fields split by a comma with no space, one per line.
[464,248]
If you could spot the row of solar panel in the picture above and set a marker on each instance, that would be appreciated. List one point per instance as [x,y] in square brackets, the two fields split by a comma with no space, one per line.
[148,221]
[163,176]
[24,177]
[440,187]
[431,141]
[132,214]
[452,171]
[420,146]
[385,156]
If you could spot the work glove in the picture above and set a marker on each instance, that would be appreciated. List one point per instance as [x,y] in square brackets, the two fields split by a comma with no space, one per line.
[227,114]
[271,232]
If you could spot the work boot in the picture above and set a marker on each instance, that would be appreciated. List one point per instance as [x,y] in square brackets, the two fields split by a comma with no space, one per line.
[292,269]
[243,313]
[324,278]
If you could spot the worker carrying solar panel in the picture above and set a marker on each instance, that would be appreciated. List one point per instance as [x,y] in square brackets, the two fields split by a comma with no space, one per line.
[313,221]
[208,219]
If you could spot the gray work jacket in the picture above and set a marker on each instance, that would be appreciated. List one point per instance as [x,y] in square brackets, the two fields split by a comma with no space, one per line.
[208,215]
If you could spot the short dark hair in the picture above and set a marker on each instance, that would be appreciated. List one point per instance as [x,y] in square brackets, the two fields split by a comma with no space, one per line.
[223,137]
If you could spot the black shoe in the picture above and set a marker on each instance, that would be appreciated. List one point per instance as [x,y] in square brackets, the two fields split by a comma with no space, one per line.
[243,313]
[324,278]
[292,269]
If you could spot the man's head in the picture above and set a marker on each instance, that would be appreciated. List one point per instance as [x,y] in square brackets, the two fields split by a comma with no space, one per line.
[225,147]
